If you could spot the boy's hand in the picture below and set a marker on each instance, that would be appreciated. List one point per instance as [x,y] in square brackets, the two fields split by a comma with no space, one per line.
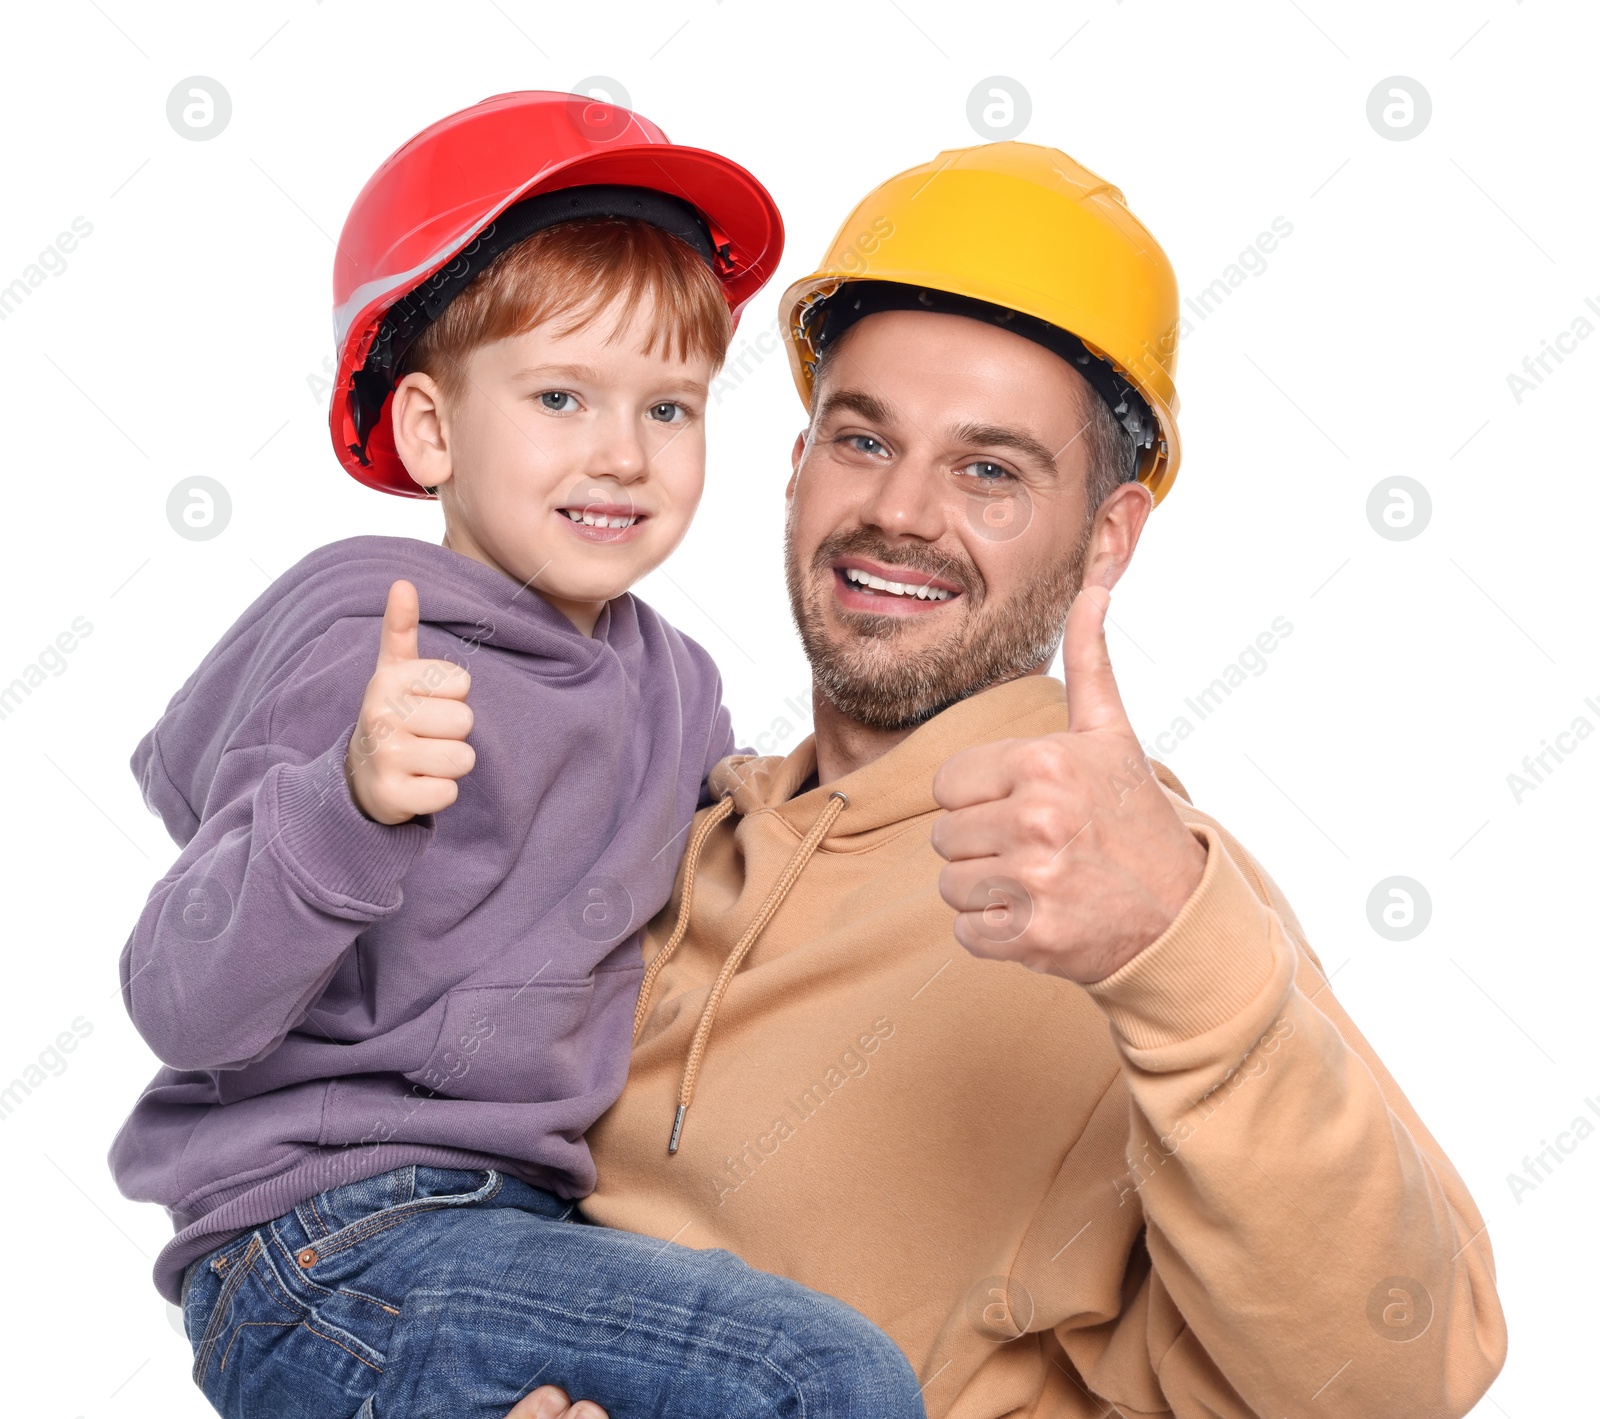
[410,743]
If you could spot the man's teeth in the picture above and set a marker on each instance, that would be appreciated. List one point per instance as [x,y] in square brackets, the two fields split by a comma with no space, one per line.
[897,588]
[598,519]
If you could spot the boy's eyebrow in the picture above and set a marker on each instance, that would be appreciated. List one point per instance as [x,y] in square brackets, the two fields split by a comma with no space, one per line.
[588,374]
[579,372]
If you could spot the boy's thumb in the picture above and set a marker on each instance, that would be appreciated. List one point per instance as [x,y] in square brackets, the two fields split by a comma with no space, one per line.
[397,641]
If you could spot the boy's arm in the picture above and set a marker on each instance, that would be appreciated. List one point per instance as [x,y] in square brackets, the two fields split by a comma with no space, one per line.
[285,871]
[246,930]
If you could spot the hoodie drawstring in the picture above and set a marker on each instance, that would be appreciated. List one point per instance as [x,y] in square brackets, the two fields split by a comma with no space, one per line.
[691,861]
[837,803]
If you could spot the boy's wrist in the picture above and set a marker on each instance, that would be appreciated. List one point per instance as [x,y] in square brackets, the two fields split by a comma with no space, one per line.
[330,847]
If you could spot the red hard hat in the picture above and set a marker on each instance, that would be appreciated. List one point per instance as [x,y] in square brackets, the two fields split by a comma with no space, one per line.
[438,210]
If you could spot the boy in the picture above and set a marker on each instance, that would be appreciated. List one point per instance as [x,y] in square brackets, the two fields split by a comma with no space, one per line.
[392,972]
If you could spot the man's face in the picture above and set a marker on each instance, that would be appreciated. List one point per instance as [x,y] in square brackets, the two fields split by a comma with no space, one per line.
[937,527]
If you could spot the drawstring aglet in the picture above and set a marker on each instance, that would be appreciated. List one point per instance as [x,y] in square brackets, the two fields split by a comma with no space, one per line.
[677,1128]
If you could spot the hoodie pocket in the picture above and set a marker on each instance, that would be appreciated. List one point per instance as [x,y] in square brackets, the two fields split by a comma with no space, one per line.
[535,1043]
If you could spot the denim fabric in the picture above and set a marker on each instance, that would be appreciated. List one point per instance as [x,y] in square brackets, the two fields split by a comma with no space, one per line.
[440,1293]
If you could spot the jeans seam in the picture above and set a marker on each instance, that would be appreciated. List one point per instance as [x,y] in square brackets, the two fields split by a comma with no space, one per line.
[333,1340]
[760,1357]
[371,1300]
[208,1339]
[222,1364]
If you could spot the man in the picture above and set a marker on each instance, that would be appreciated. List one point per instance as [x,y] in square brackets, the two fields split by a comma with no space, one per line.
[962,1012]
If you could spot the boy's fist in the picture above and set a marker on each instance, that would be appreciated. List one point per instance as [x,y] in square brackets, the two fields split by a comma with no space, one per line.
[410,743]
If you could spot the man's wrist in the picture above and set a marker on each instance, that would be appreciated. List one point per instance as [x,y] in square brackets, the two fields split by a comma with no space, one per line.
[1222,951]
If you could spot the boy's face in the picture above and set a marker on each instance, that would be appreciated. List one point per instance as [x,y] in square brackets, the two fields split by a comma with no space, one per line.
[572,462]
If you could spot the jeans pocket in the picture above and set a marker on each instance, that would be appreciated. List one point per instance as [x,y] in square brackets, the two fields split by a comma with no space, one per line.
[338,1220]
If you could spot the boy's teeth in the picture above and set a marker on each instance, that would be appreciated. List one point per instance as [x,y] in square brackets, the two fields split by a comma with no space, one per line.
[596,519]
[896,588]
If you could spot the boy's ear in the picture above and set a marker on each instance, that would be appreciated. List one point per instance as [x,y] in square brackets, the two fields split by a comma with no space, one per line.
[421,430]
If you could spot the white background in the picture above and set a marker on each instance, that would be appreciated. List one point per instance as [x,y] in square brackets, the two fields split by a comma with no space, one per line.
[186,334]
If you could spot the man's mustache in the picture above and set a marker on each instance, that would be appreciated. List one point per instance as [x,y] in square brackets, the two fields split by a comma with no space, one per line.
[861,542]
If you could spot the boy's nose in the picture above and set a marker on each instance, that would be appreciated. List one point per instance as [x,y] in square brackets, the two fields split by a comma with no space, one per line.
[620,452]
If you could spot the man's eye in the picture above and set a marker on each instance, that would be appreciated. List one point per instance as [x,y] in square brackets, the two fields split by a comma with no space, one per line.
[982,471]
[865,443]
[666,412]
[558,401]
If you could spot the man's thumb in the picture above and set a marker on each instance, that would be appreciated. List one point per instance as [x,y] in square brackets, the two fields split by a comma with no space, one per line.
[1093,701]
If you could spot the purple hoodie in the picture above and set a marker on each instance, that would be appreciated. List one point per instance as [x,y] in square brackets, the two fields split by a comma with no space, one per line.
[334,997]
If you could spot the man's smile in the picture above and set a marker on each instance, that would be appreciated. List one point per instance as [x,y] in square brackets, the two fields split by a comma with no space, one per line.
[863,585]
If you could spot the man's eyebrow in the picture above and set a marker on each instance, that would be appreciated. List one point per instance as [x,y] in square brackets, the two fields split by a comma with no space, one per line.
[855,401]
[1001,436]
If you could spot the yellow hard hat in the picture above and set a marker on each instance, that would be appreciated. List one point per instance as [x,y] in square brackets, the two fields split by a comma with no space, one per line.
[1027,238]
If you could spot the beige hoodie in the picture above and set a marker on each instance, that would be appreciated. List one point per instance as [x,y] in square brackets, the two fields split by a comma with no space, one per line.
[1191,1189]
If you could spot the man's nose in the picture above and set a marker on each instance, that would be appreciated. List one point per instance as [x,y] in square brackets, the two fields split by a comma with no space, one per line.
[907,501]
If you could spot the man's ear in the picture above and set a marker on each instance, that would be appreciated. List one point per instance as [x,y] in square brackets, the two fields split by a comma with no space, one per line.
[1117,524]
[797,453]
[421,430]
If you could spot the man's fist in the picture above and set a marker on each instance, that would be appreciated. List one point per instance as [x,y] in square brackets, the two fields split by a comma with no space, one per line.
[549,1402]
[1063,851]
[410,743]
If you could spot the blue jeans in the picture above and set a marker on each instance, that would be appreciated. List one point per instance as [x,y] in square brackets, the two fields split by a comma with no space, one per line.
[439,1293]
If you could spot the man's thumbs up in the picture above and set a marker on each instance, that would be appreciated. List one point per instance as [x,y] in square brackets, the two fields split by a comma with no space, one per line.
[1063,852]
[410,741]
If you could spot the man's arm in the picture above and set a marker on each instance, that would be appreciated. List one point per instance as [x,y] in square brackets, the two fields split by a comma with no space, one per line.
[1310,1248]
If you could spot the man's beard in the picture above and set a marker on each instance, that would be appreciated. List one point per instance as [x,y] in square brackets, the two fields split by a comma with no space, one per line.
[869,679]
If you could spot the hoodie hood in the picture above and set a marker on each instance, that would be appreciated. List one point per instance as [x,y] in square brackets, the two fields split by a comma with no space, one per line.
[896,787]
[464,604]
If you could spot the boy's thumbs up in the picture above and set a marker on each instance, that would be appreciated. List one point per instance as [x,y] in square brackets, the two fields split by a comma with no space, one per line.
[410,742]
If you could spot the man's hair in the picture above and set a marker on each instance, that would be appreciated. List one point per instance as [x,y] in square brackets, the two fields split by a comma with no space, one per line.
[1113,457]
[572,272]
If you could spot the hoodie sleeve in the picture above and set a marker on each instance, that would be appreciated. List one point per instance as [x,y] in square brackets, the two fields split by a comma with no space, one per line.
[1305,1237]
[281,874]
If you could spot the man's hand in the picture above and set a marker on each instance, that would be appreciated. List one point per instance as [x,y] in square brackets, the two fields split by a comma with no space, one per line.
[1063,851]
[409,745]
[548,1402]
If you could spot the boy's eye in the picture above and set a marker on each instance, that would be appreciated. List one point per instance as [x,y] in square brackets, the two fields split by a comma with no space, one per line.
[982,471]
[558,401]
[666,412]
